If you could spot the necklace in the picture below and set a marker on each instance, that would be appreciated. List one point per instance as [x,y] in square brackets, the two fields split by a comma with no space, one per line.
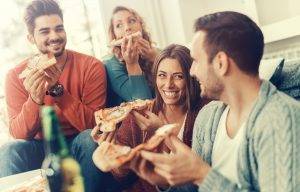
[61,68]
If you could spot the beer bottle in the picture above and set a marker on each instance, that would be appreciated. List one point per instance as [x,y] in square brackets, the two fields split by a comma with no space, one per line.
[62,171]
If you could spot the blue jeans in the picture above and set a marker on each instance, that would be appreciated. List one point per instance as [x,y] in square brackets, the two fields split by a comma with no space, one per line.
[185,188]
[21,156]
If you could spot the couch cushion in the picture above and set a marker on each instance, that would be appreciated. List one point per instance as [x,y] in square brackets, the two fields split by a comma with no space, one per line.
[270,69]
[290,79]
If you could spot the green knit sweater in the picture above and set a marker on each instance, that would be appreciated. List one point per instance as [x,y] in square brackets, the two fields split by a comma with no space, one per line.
[269,156]
[123,87]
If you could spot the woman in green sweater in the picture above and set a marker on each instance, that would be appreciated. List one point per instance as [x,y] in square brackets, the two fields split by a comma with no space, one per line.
[129,67]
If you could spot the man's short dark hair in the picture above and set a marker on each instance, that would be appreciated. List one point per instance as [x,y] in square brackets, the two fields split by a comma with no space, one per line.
[39,8]
[236,35]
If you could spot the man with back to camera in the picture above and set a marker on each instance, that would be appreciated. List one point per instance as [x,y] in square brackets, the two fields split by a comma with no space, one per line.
[248,140]
[76,85]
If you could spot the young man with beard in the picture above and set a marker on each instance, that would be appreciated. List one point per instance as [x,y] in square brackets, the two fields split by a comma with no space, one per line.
[248,140]
[79,82]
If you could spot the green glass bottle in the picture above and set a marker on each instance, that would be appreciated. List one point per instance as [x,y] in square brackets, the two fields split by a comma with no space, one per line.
[62,171]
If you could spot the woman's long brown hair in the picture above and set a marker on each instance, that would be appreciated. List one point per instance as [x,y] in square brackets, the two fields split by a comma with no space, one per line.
[192,92]
[145,65]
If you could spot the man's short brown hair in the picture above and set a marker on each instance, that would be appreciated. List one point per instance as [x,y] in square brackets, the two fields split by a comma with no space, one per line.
[38,8]
[236,35]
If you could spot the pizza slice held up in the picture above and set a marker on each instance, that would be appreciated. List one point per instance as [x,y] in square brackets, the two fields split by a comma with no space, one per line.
[108,118]
[118,42]
[39,61]
[110,156]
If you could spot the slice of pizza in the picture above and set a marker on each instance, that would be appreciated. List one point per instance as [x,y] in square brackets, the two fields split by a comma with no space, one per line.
[108,118]
[118,42]
[34,184]
[159,136]
[140,104]
[39,61]
[110,156]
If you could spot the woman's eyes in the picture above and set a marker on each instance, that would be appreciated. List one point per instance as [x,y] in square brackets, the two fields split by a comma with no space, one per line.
[161,75]
[178,76]
[131,21]
[119,25]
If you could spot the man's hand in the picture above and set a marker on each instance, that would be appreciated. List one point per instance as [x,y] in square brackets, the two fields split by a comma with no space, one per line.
[147,122]
[35,84]
[52,73]
[145,170]
[181,166]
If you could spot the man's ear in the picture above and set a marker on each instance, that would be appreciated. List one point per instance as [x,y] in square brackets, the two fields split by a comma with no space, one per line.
[30,38]
[221,63]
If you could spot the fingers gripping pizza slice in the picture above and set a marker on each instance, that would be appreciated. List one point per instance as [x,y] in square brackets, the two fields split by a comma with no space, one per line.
[39,61]
[109,156]
[118,42]
[108,118]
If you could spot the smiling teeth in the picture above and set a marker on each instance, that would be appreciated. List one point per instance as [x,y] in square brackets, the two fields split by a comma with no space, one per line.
[170,93]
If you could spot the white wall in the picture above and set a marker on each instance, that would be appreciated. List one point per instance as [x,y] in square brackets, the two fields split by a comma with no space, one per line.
[179,15]
[172,22]
[190,12]
[243,6]
[271,11]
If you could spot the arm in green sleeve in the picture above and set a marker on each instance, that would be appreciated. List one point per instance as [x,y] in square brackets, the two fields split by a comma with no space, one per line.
[126,86]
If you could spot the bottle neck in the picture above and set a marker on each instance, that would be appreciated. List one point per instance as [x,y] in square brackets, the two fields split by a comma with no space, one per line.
[54,140]
[57,145]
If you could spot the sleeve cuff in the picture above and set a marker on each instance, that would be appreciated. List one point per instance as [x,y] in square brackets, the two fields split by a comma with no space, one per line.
[162,190]
[33,105]
[214,181]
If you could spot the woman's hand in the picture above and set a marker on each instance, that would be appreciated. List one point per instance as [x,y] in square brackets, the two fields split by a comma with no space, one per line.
[99,136]
[131,57]
[144,48]
[148,121]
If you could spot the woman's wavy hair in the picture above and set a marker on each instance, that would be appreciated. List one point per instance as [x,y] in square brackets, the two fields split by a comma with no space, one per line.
[116,50]
[192,90]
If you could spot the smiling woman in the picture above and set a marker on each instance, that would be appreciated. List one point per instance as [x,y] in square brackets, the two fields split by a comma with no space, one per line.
[177,101]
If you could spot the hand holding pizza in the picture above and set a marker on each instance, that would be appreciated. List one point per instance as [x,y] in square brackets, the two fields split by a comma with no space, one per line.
[35,84]
[146,50]
[148,121]
[99,136]
[179,167]
[53,73]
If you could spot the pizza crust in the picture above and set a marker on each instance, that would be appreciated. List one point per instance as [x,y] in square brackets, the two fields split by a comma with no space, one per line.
[39,61]
[110,156]
[35,184]
[118,42]
[108,118]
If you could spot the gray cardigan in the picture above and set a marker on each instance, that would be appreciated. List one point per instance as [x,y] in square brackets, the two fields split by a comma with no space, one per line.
[269,156]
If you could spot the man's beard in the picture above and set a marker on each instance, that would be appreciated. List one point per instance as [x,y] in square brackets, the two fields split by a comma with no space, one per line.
[59,53]
[212,91]
[62,42]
